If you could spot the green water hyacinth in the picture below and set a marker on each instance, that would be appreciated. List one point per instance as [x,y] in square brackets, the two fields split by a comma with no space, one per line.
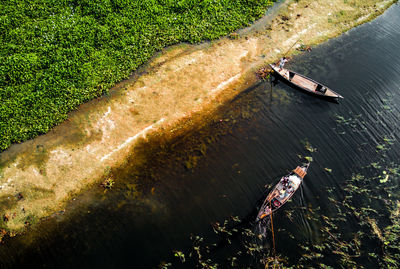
[57,54]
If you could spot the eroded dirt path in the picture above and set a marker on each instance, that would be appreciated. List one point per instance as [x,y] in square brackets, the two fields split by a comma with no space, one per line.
[39,176]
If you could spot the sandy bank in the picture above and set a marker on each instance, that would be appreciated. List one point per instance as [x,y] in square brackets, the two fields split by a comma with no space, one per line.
[39,176]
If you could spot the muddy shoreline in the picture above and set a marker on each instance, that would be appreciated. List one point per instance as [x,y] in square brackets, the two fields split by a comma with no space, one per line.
[178,92]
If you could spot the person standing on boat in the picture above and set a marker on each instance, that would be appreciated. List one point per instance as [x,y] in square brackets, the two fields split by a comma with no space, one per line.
[282,62]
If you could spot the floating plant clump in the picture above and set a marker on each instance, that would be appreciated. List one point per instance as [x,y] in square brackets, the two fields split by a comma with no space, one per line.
[308,146]
[108,183]
[355,122]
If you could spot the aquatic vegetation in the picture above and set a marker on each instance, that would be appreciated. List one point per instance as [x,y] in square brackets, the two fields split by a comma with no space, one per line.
[165,265]
[328,170]
[388,141]
[132,191]
[108,183]
[384,178]
[375,165]
[308,158]
[355,123]
[342,120]
[308,146]
[235,218]
[191,162]
[180,255]
[56,56]
[360,184]
[385,145]
[204,254]
[264,73]
[381,147]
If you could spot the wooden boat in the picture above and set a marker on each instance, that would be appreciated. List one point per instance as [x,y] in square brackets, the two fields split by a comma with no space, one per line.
[305,83]
[282,191]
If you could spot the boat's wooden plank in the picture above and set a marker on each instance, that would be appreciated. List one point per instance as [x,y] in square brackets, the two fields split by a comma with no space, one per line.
[284,73]
[300,172]
[330,93]
[303,82]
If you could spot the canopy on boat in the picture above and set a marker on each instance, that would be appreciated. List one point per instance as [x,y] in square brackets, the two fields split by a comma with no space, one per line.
[295,179]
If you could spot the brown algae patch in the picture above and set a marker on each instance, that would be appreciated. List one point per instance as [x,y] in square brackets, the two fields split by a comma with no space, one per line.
[181,82]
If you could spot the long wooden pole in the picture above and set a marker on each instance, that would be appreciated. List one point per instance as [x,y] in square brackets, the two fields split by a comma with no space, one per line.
[273,234]
[284,55]
[291,47]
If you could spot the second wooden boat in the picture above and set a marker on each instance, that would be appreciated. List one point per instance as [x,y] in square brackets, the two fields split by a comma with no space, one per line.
[305,83]
[282,191]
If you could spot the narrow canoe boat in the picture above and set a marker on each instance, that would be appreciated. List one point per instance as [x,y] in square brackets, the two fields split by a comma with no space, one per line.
[282,191]
[305,83]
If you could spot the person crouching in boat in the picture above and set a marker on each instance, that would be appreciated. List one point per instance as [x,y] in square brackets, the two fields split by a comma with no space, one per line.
[285,181]
[282,63]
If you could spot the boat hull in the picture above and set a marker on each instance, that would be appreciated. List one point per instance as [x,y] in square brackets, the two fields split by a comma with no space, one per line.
[306,84]
[282,192]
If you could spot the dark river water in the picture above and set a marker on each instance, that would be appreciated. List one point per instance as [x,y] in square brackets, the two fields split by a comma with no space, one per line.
[346,213]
